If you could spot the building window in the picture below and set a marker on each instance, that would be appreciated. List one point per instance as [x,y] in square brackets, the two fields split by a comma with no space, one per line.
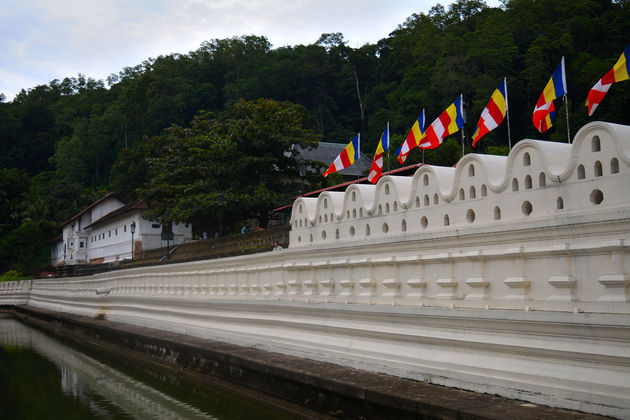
[471,171]
[528,182]
[542,180]
[497,213]
[514,184]
[81,245]
[526,159]
[125,228]
[156,226]
[116,231]
[559,203]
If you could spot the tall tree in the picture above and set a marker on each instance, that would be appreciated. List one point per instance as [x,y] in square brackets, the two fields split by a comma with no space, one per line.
[236,164]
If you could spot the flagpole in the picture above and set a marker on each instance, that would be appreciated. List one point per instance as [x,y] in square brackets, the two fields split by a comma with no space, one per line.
[359,144]
[464,118]
[388,145]
[507,111]
[566,91]
[566,107]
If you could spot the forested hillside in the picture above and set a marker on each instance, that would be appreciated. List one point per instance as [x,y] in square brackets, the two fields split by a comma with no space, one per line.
[65,144]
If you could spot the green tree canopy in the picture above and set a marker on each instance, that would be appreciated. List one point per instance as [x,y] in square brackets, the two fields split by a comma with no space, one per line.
[236,164]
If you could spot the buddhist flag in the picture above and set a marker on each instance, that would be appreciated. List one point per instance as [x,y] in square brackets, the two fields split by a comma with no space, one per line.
[544,111]
[449,122]
[492,116]
[377,164]
[618,73]
[347,156]
[413,138]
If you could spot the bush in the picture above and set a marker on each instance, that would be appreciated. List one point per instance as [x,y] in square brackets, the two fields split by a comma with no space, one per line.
[13,275]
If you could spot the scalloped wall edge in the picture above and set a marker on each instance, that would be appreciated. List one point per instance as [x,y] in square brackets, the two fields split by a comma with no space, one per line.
[485,182]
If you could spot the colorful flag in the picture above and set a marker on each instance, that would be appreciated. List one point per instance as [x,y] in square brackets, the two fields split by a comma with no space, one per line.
[492,116]
[413,138]
[449,122]
[377,164]
[347,156]
[544,111]
[618,73]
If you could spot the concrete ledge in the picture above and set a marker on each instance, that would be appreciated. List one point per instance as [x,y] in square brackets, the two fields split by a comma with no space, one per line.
[324,388]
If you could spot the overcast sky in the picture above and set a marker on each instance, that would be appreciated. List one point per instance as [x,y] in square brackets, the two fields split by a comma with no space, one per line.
[42,40]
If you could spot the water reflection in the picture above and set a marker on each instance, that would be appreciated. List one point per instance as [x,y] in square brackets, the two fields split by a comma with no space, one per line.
[88,386]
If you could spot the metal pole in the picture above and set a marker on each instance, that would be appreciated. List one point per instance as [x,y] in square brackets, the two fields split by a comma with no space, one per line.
[388,145]
[463,111]
[507,111]
[566,108]
[132,226]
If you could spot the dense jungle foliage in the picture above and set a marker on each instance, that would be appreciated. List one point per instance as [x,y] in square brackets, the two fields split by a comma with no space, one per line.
[182,129]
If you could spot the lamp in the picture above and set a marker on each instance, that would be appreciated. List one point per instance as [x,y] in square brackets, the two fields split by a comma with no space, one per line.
[302,173]
[133,230]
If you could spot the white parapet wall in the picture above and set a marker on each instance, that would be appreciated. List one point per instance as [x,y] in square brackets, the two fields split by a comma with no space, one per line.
[529,301]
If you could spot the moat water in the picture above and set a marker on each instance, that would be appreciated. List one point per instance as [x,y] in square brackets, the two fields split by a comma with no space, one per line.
[44,378]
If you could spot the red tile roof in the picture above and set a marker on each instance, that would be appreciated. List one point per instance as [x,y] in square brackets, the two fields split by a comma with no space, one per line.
[79,214]
[133,206]
[356,181]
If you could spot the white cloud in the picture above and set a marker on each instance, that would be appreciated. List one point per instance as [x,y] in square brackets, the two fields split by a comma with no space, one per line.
[44,40]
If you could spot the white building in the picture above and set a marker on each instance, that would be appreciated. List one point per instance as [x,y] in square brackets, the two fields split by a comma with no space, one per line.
[102,232]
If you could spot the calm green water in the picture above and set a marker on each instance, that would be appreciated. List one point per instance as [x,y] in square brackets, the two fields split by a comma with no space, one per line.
[43,378]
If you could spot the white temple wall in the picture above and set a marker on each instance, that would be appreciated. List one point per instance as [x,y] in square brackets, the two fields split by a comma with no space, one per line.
[534,304]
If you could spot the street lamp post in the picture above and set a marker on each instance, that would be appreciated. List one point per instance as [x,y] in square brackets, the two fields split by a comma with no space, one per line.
[302,172]
[133,230]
